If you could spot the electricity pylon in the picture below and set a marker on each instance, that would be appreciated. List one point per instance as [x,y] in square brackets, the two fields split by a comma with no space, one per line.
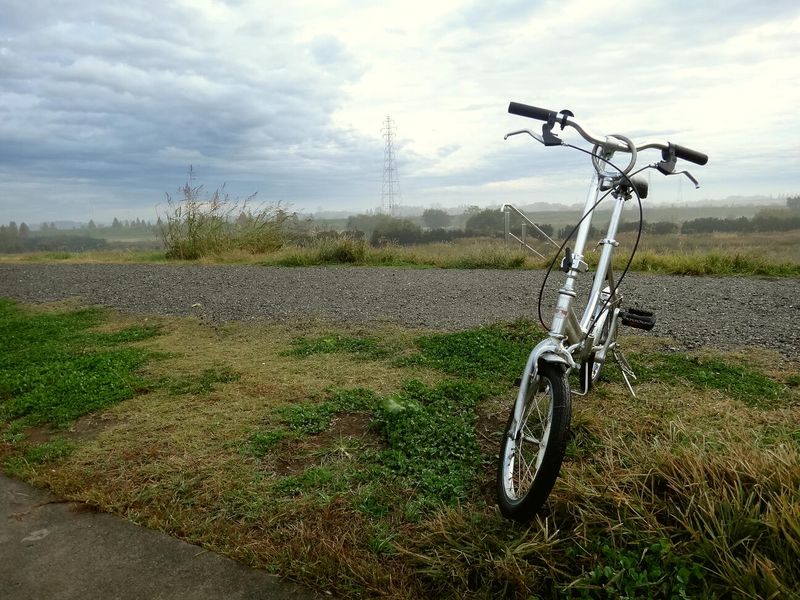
[390,194]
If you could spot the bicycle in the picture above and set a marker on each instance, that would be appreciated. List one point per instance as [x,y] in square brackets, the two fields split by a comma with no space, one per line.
[535,437]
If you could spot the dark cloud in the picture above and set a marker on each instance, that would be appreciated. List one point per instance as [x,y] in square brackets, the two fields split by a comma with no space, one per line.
[117,94]
[111,100]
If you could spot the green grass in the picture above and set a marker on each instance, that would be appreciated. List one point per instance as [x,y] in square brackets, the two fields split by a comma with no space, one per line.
[38,454]
[492,353]
[431,444]
[364,465]
[364,346]
[54,369]
[201,383]
[737,381]
[712,263]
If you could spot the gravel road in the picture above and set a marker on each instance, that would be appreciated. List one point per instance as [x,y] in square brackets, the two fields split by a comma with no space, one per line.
[720,312]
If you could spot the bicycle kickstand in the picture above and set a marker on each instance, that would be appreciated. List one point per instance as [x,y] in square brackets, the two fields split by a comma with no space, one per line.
[625,367]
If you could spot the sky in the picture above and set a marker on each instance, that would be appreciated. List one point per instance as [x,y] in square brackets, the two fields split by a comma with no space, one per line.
[105,105]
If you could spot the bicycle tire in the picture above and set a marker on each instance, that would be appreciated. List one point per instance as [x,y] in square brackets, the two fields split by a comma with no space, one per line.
[522,484]
[596,368]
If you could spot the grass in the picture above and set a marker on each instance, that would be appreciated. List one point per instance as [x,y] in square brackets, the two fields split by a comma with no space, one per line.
[744,255]
[54,370]
[362,462]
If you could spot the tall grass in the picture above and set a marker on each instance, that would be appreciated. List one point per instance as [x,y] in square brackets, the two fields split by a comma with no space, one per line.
[348,250]
[197,226]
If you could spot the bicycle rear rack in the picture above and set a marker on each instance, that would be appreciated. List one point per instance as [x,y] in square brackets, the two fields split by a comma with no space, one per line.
[508,210]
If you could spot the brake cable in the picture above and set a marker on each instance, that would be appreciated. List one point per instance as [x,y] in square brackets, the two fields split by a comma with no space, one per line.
[578,224]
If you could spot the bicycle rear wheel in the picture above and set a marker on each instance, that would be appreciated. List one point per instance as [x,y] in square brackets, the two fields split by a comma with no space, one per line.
[532,450]
[593,364]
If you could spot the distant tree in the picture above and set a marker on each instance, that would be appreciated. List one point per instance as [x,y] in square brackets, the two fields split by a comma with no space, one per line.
[793,202]
[92,224]
[24,230]
[368,223]
[9,238]
[486,222]
[116,223]
[776,219]
[400,231]
[664,228]
[567,229]
[435,218]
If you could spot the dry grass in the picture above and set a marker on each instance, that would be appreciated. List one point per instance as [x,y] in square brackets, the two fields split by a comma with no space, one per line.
[687,480]
[759,254]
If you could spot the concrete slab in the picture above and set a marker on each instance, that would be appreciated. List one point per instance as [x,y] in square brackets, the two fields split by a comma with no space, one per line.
[60,551]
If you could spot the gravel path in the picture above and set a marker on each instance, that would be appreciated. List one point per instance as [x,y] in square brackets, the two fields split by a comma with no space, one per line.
[721,312]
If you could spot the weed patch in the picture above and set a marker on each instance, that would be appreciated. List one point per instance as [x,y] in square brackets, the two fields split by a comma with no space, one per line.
[738,382]
[647,571]
[37,454]
[430,434]
[364,347]
[54,369]
[199,384]
[496,352]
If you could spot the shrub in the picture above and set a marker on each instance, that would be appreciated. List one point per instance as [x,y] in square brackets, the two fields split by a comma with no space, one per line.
[401,231]
[344,249]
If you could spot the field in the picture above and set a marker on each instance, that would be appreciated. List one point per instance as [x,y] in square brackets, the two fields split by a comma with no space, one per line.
[759,254]
[361,462]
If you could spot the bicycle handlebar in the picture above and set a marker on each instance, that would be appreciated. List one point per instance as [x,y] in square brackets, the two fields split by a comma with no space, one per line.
[609,143]
[694,156]
[532,112]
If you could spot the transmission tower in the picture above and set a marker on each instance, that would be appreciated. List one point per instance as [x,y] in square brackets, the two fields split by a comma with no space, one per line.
[390,194]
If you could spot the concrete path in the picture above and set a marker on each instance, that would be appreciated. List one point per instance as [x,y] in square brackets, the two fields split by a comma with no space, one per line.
[59,550]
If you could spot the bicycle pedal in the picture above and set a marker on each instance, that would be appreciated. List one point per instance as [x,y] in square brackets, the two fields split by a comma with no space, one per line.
[638,318]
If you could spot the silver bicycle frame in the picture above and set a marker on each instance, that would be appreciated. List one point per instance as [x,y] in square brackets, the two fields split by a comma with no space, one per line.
[570,337]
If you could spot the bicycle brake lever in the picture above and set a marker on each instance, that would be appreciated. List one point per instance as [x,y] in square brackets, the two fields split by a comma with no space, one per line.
[538,138]
[691,177]
[664,168]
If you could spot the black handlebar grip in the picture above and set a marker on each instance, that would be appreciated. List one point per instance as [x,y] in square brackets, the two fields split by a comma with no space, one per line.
[694,156]
[532,112]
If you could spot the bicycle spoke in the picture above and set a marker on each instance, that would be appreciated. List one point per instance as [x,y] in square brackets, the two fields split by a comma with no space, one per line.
[531,442]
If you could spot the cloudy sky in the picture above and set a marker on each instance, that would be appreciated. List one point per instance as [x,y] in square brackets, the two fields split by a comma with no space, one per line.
[104,105]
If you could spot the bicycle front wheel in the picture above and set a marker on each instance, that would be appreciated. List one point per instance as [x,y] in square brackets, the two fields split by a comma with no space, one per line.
[532,450]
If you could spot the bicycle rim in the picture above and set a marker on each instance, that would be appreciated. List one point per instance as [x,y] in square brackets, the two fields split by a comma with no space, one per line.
[532,451]
[601,337]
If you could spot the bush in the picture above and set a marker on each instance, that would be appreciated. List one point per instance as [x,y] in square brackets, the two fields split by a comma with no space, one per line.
[489,221]
[400,231]
[343,250]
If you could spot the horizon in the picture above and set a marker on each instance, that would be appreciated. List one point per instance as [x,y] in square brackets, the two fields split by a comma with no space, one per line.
[411,212]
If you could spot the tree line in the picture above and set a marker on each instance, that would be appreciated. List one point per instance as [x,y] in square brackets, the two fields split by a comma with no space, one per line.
[491,223]
[380,228]
[20,238]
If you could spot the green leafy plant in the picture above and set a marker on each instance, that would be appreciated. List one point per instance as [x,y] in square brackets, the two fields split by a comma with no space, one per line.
[55,369]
